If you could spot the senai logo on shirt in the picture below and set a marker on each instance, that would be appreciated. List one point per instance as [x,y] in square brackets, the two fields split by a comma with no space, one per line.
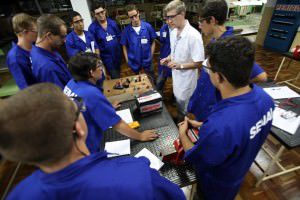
[69,92]
[262,122]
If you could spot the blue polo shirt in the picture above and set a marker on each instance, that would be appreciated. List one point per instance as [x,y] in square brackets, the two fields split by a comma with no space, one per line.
[229,141]
[49,67]
[97,177]
[206,95]
[165,49]
[19,64]
[75,44]
[99,114]
[109,43]
[138,46]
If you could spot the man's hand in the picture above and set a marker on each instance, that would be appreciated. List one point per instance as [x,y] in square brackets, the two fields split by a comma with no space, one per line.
[183,127]
[148,135]
[116,104]
[193,123]
[184,139]
[165,61]
[173,65]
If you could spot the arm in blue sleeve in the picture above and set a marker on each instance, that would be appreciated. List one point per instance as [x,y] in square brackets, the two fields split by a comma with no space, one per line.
[71,49]
[102,111]
[16,71]
[210,150]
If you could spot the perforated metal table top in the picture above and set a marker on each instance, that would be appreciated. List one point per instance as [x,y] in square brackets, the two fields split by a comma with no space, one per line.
[163,124]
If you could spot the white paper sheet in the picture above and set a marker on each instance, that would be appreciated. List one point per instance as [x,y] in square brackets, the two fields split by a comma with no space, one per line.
[125,115]
[281,92]
[118,148]
[155,163]
[288,125]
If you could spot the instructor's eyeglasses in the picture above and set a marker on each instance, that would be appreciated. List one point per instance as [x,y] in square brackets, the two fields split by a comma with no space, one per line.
[170,17]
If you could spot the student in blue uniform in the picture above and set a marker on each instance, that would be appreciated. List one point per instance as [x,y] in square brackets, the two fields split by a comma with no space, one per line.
[79,40]
[100,114]
[56,145]
[18,58]
[212,24]
[47,64]
[233,133]
[138,43]
[165,50]
[107,35]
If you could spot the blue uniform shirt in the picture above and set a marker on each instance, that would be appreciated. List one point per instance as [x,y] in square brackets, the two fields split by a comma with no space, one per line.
[165,49]
[229,141]
[96,177]
[74,44]
[206,95]
[99,114]
[19,65]
[49,67]
[139,46]
[108,42]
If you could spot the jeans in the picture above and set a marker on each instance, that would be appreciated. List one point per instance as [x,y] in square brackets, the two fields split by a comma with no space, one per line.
[160,83]
[114,73]
[181,109]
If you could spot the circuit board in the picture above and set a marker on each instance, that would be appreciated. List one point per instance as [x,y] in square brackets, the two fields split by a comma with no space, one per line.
[127,88]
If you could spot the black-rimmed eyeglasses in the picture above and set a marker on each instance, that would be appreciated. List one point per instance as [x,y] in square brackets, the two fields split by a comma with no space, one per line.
[201,20]
[79,104]
[134,16]
[170,17]
[78,21]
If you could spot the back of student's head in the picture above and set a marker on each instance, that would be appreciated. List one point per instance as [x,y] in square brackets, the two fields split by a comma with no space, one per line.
[23,21]
[73,14]
[177,5]
[82,63]
[36,125]
[233,57]
[49,23]
[215,8]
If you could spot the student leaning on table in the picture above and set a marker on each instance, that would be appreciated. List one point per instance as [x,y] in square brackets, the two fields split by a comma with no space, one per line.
[86,69]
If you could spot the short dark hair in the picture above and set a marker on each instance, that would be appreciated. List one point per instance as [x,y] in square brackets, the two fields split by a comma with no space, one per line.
[131,7]
[22,21]
[81,64]
[72,15]
[37,125]
[233,57]
[95,6]
[49,23]
[215,8]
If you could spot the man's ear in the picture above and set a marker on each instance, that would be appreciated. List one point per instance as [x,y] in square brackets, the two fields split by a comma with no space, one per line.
[91,73]
[48,34]
[79,131]
[220,77]
[213,20]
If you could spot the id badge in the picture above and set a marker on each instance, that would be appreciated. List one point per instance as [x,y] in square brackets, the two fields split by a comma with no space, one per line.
[144,41]
[109,38]
[88,50]
[164,34]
